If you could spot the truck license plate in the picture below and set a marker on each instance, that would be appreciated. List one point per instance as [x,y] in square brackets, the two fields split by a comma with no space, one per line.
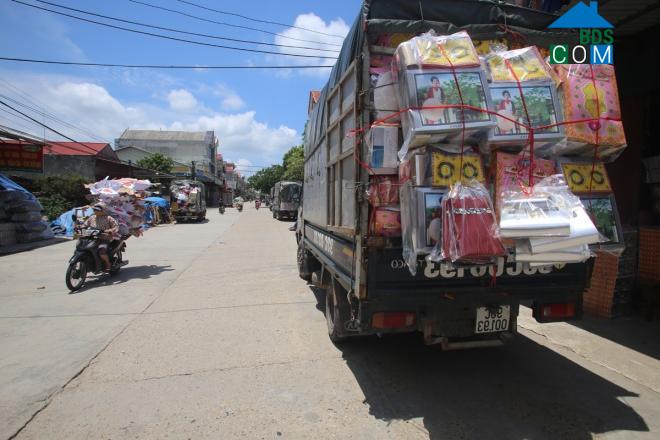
[493,319]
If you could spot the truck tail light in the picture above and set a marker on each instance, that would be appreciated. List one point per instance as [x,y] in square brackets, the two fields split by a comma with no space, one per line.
[558,311]
[392,319]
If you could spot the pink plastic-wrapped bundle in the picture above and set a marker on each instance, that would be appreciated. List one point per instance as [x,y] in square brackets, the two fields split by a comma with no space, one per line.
[470,233]
[590,93]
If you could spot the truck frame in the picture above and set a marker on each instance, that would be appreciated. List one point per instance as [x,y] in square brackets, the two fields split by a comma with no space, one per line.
[369,289]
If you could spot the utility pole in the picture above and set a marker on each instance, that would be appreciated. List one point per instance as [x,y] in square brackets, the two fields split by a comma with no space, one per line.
[192,170]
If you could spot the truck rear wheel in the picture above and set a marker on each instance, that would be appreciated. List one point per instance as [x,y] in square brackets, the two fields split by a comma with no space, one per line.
[306,262]
[336,311]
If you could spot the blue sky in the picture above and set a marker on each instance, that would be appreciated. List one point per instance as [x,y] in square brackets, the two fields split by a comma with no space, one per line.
[256,114]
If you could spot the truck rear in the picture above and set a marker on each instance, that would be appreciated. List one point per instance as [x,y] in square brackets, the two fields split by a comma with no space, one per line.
[286,199]
[369,286]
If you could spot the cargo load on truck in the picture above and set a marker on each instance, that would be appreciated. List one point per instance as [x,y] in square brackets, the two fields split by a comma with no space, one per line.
[449,171]
[188,200]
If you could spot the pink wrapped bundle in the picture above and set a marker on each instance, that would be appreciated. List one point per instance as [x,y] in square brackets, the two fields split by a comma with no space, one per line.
[590,91]
[387,222]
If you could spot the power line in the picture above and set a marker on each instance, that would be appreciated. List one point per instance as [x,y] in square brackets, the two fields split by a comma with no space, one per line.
[153,66]
[46,126]
[258,20]
[183,32]
[166,37]
[222,23]
[48,115]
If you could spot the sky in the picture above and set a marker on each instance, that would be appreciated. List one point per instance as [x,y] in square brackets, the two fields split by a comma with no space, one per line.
[256,114]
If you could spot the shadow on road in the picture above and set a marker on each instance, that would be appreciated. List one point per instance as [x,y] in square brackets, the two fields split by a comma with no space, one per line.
[127,273]
[631,331]
[521,390]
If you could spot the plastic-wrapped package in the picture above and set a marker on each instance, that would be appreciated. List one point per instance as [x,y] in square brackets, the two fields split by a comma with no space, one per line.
[387,222]
[469,230]
[383,191]
[421,221]
[18,206]
[485,47]
[527,65]
[31,226]
[385,97]
[430,50]
[32,216]
[543,210]
[511,171]
[576,254]
[409,253]
[383,144]
[584,101]
[7,234]
[437,167]
[432,105]
[543,108]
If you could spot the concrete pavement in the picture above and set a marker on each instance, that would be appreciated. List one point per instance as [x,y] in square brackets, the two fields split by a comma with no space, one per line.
[221,339]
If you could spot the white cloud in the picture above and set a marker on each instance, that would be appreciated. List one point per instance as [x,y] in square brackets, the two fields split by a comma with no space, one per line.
[242,134]
[91,106]
[328,43]
[181,99]
[229,99]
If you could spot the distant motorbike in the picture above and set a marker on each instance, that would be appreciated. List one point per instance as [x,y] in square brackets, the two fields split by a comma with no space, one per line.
[222,209]
[86,258]
[239,206]
[257,204]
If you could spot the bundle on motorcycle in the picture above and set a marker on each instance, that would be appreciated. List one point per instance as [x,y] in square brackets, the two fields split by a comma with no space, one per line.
[86,258]
[118,212]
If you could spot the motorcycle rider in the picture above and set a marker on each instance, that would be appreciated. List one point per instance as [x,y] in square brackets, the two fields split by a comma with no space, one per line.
[108,225]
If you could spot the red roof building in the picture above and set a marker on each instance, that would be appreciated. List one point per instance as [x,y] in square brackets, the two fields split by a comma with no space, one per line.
[97,149]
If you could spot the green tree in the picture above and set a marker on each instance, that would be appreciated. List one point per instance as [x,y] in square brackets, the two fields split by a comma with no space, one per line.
[59,194]
[294,164]
[157,162]
[264,179]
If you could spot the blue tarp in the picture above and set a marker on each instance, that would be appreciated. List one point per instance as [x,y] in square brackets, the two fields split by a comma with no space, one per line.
[63,225]
[8,184]
[158,201]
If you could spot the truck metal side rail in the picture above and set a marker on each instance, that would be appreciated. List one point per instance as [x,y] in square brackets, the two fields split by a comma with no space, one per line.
[335,252]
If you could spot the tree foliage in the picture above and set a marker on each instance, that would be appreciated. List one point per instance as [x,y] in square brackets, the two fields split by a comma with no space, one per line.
[264,179]
[157,162]
[292,168]
[294,164]
[59,194]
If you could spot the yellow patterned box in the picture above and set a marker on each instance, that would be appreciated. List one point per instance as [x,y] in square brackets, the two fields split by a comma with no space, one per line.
[579,177]
[445,168]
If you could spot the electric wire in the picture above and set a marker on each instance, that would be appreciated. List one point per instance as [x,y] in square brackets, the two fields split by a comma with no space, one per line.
[222,23]
[51,116]
[137,23]
[166,37]
[258,20]
[47,127]
[154,66]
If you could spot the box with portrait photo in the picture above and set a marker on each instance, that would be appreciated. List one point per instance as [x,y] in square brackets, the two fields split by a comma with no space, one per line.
[425,93]
[540,104]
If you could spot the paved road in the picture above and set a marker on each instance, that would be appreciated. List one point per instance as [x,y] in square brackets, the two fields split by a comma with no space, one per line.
[209,333]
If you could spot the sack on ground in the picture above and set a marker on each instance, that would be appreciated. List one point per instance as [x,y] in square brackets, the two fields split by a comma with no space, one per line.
[31,226]
[32,216]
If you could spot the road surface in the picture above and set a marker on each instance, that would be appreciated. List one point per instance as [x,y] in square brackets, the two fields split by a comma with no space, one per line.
[209,333]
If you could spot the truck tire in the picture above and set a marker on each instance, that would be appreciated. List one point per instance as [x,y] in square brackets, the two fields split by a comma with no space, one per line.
[307,264]
[337,312]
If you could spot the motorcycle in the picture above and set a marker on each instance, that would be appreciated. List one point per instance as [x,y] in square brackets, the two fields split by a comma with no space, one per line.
[239,206]
[222,209]
[257,204]
[86,258]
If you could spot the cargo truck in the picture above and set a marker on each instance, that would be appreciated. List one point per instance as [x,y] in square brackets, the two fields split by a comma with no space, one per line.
[369,288]
[286,199]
